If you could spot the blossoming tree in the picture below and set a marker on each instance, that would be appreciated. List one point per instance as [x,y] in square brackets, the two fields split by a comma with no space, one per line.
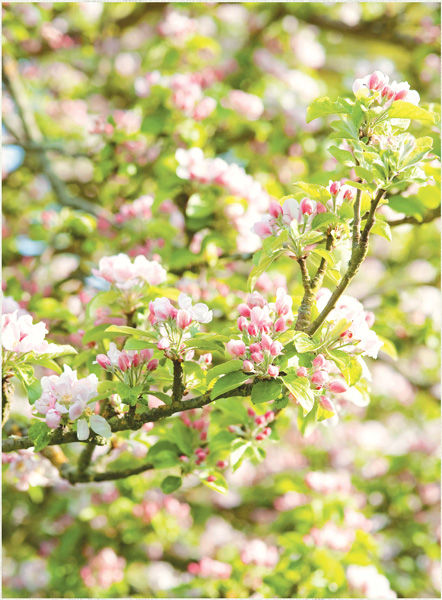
[157,365]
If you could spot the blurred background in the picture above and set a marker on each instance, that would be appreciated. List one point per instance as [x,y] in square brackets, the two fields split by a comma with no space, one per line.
[92,118]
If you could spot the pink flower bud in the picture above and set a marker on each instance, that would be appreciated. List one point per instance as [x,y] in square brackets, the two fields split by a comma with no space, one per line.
[266,431]
[252,330]
[193,568]
[334,188]
[302,372]
[319,378]
[146,354]
[251,412]
[319,362]
[273,371]
[276,348]
[337,387]
[242,323]
[244,310]
[266,342]
[387,92]
[280,325]
[320,208]
[203,436]
[374,82]
[163,344]
[124,361]
[275,209]
[183,318]
[261,420]
[104,361]
[270,416]
[211,478]
[255,347]
[257,357]
[53,418]
[184,458]
[247,366]
[260,437]
[348,195]
[327,403]
[136,359]
[153,364]
[207,358]
[401,95]
[236,347]
[221,464]
[263,229]
[307,206]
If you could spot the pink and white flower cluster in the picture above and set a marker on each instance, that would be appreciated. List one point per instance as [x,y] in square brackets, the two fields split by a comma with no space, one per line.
[257,552]
[367,581]
[20,335]
[359,334]
[260,323]
[377,86]
[281,217]
[103,570]
[173,325]
[138,209]
[120,271]
[28,469]
[208,567]
[247,105]
[187,92]
[130,366]
[177,26]
[65,395]
[233,178]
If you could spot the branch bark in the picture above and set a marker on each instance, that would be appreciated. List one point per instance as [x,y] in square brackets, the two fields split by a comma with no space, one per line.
[358,255]
[431,215]
[59,436]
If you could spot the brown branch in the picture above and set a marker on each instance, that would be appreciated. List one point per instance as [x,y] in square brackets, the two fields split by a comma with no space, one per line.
[357,258]
[126,423]
[431,215]
[87,477]
[12,79]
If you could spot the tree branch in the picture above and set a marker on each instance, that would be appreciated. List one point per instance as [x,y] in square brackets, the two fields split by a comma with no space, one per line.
[431,215]
[87,477]
[60,436]
[12,79]
[358,255]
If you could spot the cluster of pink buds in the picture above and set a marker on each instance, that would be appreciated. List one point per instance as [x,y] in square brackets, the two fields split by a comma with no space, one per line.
[175,325]
[200,424]
[138,209]
[130,366]
[339,193]
[261,429]
[376,86]
[260,323]
[320,380]
[207,567]
[281,217]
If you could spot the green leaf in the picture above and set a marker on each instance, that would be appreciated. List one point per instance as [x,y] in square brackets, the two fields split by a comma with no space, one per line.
[182,437]
[382,228]
[48,363]
[325,254]
[223,369]
[410,205]
[96,334]
[323,220]
[264,263]
[343,156]
[228,382]
[171,484]
[388,347]
[300,388]
[352,371]
[34,391]
[132,331]
[238,454]
[314,191]
[321,107]
[101,299]
[39,434]
[163,454]
[405,110]
[265,390]
[303,342]
[162,396]
[134,344]
[219,485]
[364,174]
